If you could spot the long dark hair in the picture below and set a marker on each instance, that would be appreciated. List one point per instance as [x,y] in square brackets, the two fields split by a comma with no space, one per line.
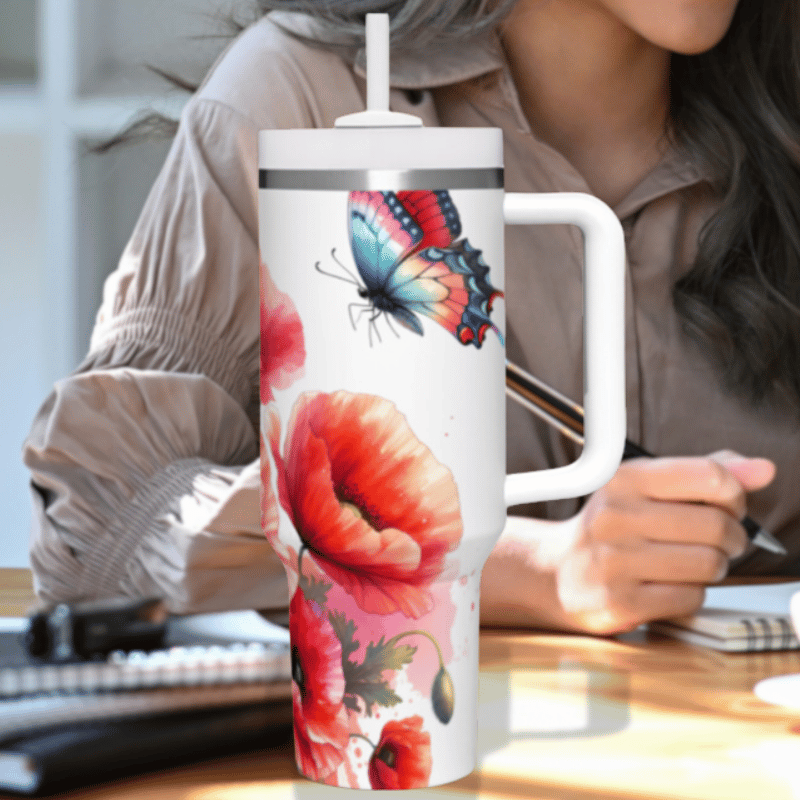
[736,111]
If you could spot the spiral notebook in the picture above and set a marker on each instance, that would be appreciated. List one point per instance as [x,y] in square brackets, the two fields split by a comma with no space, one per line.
[220,686]
[739,619]
[211,660]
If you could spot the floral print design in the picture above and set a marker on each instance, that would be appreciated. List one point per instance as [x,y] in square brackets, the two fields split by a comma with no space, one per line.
[283,356]
[333,689]
[320,721]
[376,515]
[369,499]
[282,343]
[402,757]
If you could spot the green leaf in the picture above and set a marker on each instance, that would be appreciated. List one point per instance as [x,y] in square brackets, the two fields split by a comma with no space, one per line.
[345,630]
[351,702]
[314,590]
[377,693]
[382,656]
[366,679]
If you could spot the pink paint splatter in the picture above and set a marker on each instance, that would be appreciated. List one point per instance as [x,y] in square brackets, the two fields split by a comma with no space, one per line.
[371,627]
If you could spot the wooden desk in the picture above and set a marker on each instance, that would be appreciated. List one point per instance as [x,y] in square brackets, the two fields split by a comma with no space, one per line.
[16,592]
[562,718]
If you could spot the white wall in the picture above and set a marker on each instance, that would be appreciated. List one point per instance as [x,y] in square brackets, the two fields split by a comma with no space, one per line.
[23,337]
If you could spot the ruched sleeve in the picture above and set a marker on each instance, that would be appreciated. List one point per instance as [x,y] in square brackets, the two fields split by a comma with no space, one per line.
[144,462]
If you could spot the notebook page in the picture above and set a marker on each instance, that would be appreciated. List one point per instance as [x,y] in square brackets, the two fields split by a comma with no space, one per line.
[769,598]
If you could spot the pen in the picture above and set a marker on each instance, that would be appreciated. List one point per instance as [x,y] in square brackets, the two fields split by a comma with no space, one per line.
[567,416]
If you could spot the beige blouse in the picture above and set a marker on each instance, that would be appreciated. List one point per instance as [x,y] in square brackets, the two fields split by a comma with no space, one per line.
[144,461]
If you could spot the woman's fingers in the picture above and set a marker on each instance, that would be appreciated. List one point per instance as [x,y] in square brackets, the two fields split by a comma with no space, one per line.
[752,473]
[669,563]
[622,605]
[663,600]
[647,543]
[633,522]
[719,480]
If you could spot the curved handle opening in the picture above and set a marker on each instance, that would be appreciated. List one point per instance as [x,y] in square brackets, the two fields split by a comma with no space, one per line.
[603,344]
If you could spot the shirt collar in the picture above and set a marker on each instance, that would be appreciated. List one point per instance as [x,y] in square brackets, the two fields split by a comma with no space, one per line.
[675,171]
[454,62]
[446,64]
[449,64]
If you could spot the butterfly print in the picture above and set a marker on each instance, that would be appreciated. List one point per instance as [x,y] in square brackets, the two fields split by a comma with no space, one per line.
[410,262]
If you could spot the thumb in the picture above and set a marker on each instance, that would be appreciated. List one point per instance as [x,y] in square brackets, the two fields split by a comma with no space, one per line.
[752,473]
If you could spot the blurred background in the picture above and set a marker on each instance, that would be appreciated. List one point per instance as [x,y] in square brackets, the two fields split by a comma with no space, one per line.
[74,73]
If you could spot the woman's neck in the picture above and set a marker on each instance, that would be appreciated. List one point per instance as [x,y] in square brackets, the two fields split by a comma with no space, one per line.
[591,88]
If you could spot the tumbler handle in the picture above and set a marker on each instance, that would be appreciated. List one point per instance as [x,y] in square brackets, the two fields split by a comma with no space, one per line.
[603,344]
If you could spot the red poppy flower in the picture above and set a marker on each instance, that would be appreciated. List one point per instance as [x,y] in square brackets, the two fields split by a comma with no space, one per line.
[283,350]
[269,505]
[320,719]
[374,506]
[402,757]
[270,432]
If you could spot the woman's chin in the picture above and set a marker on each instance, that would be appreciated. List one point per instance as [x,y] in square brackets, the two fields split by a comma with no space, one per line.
[689,27]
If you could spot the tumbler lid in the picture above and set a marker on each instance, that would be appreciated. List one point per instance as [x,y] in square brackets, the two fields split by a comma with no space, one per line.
[380,149]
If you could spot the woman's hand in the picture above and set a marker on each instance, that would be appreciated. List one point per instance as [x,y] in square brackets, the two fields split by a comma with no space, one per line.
[643,547]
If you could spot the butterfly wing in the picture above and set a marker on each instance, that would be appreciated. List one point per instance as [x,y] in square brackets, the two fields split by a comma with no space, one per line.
[382,234]
[387,227]
[450,286]
[436,216]
[405,251]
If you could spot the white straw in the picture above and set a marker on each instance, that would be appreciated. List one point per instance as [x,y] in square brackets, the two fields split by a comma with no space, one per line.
[377,62]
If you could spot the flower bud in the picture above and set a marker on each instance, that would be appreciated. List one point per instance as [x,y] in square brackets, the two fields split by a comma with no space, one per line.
[442,696]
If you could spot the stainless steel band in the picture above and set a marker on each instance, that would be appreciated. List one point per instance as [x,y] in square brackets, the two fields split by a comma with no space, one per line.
[380,179]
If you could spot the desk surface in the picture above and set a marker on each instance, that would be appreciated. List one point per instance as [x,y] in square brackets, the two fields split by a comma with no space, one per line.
[563,718]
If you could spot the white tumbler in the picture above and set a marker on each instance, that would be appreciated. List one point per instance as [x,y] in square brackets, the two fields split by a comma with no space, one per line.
[384,426]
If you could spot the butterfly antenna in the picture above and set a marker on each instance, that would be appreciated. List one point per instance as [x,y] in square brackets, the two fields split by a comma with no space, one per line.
[353,276]
[350,277]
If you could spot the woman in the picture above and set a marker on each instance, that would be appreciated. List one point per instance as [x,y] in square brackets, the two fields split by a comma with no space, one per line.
[682,116]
